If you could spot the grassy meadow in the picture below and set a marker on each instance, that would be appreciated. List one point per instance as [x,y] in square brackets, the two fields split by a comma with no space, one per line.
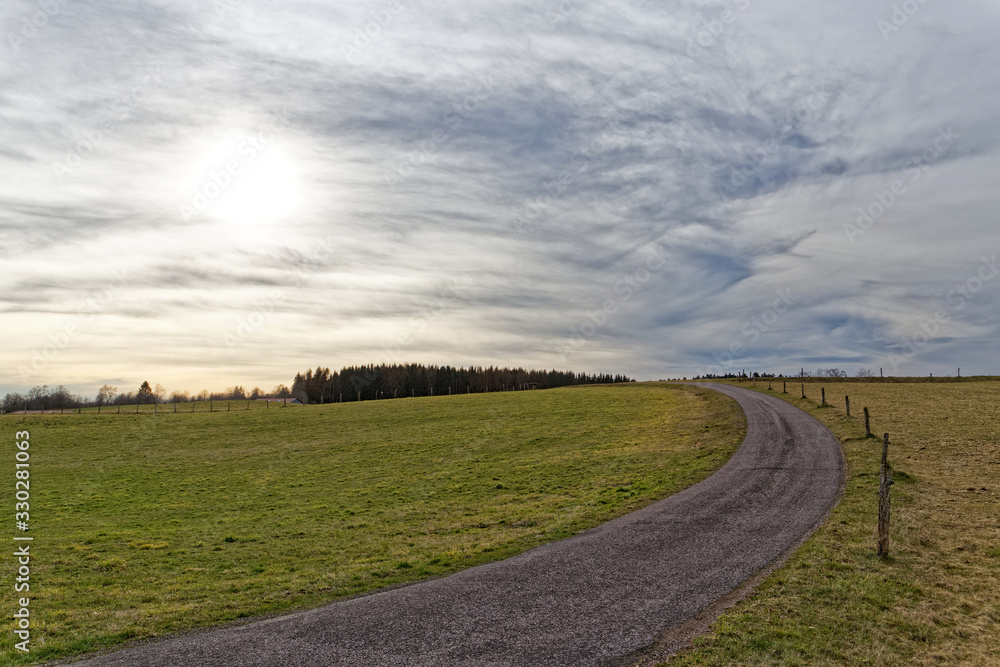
[936,600]
[147,525]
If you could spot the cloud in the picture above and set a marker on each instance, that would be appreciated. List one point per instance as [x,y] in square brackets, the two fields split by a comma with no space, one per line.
[530,155]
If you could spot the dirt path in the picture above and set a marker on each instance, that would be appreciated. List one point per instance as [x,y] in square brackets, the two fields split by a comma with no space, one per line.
[592,599]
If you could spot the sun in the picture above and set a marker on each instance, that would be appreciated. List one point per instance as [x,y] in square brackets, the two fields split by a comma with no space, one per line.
[261,192]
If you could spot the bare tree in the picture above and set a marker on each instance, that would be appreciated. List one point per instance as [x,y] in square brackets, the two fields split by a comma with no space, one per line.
[179,397]
[865,373]
[106,394]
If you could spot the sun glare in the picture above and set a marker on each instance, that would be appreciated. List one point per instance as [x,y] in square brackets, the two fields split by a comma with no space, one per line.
[263,192]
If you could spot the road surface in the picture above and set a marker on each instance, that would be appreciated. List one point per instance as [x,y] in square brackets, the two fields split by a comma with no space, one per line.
[597,598]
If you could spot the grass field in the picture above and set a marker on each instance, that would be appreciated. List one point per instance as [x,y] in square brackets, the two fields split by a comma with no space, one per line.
[146,525]
[936,601]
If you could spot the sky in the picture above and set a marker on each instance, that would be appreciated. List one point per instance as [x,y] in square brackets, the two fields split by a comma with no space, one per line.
[204,195]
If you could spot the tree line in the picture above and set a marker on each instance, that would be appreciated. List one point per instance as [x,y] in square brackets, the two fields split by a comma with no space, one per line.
[350,383]
[365,383]
[45,398]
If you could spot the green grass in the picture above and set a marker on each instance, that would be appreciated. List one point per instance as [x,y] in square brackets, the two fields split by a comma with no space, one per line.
[936,600]
[146,525]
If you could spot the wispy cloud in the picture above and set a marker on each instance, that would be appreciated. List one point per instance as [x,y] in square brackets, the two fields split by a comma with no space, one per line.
[531,153]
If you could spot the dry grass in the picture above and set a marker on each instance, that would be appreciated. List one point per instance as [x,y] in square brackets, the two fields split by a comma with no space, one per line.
[937,599]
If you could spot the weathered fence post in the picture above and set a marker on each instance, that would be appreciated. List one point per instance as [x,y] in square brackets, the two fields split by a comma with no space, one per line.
[803,390]
[822,391]
[868,428]
[769,385]
[847,402]
[211,406]
[784,386]
[884,482]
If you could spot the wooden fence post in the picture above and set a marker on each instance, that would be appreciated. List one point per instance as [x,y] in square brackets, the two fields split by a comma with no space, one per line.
[847,402]
[868,428]
[769,385]
[885,481]
[803,390]
[784,386]
[822,391]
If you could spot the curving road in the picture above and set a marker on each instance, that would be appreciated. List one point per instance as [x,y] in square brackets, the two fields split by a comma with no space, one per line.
[593,599]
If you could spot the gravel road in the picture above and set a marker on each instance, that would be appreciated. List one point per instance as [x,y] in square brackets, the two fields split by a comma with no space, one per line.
[599,598]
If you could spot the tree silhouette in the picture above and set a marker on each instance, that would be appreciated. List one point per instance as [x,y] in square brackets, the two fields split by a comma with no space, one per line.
[145,394]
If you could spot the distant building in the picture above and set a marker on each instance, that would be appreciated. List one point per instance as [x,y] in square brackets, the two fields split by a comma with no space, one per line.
[289,400]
